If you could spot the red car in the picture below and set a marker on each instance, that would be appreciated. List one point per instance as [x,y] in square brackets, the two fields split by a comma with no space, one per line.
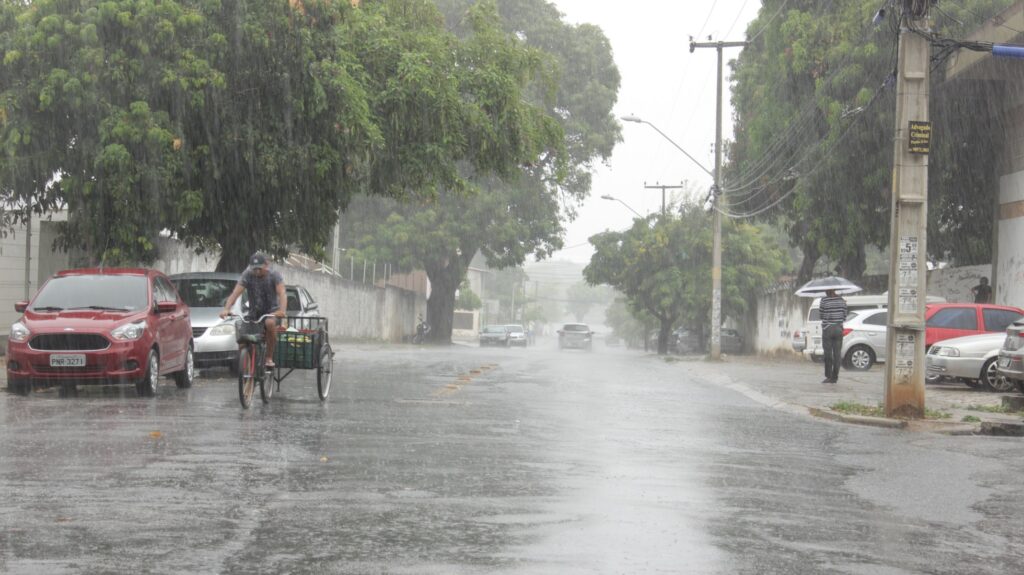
[101,326]
[948,320]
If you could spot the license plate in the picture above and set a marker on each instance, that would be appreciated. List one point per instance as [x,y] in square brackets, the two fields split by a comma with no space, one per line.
[67,360]
[1004,362]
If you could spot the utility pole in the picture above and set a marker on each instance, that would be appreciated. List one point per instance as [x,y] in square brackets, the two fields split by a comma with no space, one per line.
[716,257]
[904,371]
[657,186]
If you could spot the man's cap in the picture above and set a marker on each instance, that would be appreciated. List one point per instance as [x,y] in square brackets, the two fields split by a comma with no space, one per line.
[257,260]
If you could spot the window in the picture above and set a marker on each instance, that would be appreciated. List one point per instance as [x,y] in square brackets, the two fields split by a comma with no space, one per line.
[204,292]
[999,319]
[124,292]
[293,300]
[878,319]
[814,314]
[955,318]
[164,291]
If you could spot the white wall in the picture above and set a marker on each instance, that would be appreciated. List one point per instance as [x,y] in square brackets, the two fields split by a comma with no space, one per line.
[1010,264]
[354,310]
[955,284]
[779,314]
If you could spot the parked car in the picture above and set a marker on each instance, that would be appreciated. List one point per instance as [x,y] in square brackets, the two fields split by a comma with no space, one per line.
[495,335]
[684,341]
[865,332]
[799,341]
[575,335]
[101,326]
[812,328]
[971,359]
[1010,364]
[206,293]
[730,341]
[516,335]
[864,335]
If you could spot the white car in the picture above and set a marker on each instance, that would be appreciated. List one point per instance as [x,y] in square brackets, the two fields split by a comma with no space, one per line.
[865,334]
[970,359]
[516,335]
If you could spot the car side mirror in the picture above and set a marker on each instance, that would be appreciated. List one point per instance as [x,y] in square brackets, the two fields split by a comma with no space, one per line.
[313,306]
[21,306]
[167,307]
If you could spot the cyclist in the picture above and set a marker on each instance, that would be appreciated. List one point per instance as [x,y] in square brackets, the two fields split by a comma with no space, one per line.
[265,288]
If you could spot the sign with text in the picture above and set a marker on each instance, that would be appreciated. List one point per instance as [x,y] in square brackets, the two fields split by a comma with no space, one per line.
[920,138]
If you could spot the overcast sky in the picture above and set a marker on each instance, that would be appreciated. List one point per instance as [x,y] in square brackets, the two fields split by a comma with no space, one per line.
[663,83]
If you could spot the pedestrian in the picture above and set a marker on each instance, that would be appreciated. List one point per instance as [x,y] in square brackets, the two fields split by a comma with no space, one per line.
[833,311]
[982,292]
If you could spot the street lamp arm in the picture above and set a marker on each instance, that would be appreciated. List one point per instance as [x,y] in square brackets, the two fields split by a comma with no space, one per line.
[614,199]
[671,141]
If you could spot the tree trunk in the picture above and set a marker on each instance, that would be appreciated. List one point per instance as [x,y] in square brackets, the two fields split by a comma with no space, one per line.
[444,281]
[664,331]
[234,257]
[811,257]
[852,266]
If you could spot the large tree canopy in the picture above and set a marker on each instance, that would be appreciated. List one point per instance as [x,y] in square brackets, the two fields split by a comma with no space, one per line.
[507,216]
[814,126]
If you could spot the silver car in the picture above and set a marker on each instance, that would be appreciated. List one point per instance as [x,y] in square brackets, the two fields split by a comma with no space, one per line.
[864,338]
[516,335]
[1010,365]
[205,293]
[970,359]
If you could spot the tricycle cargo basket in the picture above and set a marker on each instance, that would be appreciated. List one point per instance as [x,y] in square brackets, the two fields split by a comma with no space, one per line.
[299,346]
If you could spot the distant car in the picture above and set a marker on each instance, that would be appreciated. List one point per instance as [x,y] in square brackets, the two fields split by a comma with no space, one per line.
[799,341]
[206,293]
[684,341]
[101,326]
[492,335]
[516,335]
[575,335]
[730,341]
[970,359]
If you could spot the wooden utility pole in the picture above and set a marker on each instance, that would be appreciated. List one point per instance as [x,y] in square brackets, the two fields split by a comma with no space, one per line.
[904,368]
[716,256]
[657,186]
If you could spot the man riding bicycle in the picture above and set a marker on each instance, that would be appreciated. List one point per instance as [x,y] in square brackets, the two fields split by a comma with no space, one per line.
[265,288]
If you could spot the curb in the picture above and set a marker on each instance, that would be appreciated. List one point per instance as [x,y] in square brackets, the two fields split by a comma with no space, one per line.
[883,422]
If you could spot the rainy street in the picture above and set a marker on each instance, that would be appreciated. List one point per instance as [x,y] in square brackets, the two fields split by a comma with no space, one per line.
[468,460]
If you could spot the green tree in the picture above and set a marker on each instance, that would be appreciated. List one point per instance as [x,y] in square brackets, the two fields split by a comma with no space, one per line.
[467,300]
[582,297]
[508,216]
[661,265]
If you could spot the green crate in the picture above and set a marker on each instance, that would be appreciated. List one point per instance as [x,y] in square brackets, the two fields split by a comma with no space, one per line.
[296,350]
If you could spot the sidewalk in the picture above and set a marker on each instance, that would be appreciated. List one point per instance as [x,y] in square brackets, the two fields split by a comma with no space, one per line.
[794,385]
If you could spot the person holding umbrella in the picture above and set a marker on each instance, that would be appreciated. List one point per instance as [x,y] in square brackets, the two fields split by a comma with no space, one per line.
[833,312]
[832,309]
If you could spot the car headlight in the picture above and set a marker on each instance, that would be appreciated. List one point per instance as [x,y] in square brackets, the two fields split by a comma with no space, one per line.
[223,329]
[19,332]
[129,331]
[949,352]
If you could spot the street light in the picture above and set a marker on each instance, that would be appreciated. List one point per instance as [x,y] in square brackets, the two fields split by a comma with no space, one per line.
[637,120]
[614,199]
[716,248]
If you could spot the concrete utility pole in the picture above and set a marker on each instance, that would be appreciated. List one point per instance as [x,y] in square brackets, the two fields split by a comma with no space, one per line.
[904,370]
[716,257]
[657,186]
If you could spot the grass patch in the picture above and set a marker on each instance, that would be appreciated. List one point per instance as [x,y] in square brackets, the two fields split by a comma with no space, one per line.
[990,408]
[971,419]
[854,408]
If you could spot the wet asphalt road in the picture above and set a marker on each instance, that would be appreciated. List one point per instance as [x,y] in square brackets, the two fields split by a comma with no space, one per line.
[468,460]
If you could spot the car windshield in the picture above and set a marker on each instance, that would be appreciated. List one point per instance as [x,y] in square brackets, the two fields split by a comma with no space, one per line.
[576,327]
[115,292]
[494,329]
[204,292]
[515,328]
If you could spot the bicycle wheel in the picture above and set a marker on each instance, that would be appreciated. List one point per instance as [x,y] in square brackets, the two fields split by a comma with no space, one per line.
[323,372]
[246,375]
[265,377]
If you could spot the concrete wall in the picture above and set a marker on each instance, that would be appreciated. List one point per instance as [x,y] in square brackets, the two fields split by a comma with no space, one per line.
[44,261]
[779,314]
[954,284]
[354,310]
[1009,284]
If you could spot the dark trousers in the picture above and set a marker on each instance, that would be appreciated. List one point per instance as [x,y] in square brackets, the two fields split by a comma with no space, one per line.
[832,342]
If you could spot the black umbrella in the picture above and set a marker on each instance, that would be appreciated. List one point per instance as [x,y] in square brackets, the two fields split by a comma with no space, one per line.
[818,287]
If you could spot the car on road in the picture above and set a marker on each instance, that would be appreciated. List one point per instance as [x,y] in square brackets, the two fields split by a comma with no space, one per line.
[575,335]
[101,326]
[206,293]
[730,341]
[495,335]
[864,335]
[971,360]
[516,335]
